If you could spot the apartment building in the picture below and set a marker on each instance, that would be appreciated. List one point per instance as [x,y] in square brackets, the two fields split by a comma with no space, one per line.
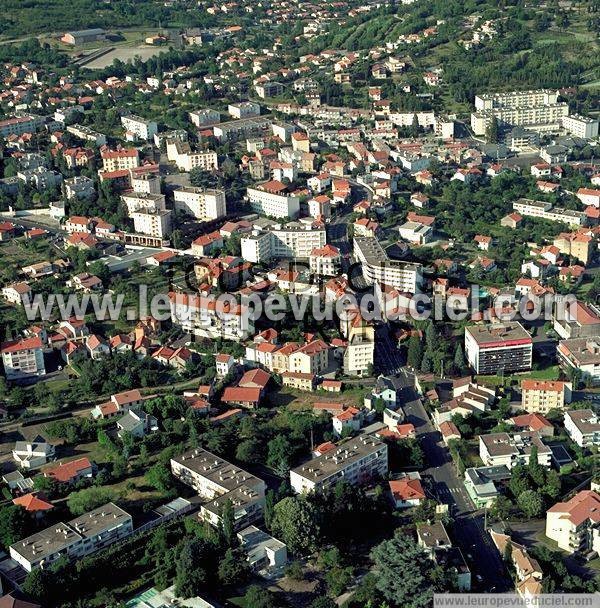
[274,200]
[497,449]
[575,524]
[203,204]
[23,358]
[245,128]
[491,349]
[143,201]
[537,110]
[312,358]
[244,109]
[581,126]
[140,128]
[205,117]
[208,317]
[152,223]
[77,538]
[18,125]
[84,133]
[293,240]
[579,244]
[575,319]
[218,481]
[325,261]
[541,396]
[119,160]
[545,211]
[583,355]
[360,349]
[181,153]
[377,267]
[146,183]
[583,427]
[357,461]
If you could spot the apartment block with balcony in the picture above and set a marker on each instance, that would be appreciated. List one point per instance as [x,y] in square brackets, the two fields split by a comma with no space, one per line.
[218,481]
[583,427]
[491,349]
[575,524]
[357,461]
[541,396]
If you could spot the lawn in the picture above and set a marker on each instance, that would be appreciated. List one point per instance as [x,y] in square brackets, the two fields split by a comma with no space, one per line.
[300,400]
[549,373]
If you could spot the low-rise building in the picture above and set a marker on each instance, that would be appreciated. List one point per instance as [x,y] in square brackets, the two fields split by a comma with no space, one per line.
[79,537]
[218,481]
[582,355]
[498,449]
[583,427]
[356,461]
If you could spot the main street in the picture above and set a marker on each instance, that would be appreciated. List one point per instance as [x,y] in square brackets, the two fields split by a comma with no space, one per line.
[468,527]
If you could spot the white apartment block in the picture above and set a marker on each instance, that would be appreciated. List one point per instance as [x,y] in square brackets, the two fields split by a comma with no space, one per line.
[207,317]
[582,354]
[357,461]
[181,154]
[146,183]
[497,449]
[273,204]
[139,127]
[84,133]
[245,109]
[581,126]
[537,110]
[152,223]
[583,427]
[540,396]
[292,240]
[143,201]
[377,267]
[545,211]
[218,481]
[205,117]
[200,203]
[21,124]
[23,358]
[575,524]
[79,187]
[81,536]
[325,261]
[491,349]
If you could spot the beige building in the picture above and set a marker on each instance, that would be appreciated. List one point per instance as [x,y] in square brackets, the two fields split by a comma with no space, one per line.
[540,397]
[575,524]
[200,203]
[578,244]
[118,160]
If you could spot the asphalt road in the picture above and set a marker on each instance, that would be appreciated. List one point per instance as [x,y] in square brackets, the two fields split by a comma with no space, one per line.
[468,530]
[387,357]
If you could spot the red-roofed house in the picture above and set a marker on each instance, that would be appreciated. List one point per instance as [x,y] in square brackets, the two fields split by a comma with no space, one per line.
[33,504]
[70,472]
[406,492]
[244,397]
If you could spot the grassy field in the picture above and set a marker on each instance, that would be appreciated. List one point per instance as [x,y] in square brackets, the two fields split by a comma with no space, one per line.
[550,373]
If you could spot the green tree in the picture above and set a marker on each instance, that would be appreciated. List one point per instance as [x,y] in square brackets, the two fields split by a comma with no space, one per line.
[296,523]
[401,570]
[228,524]
[88,499]
[13,524]
[415,352]
[193,568]
[233,568]
[258,597]
[531,503]
[536,470]
[159,477]
[459,358]
[278,454]
[492,131]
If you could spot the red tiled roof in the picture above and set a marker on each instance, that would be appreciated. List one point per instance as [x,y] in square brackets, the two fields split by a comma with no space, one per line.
[67,471]
[32,504]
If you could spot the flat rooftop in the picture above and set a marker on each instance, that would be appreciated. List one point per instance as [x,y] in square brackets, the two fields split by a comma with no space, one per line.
[342,457]
[507,334]
[216,469]
[103,518]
